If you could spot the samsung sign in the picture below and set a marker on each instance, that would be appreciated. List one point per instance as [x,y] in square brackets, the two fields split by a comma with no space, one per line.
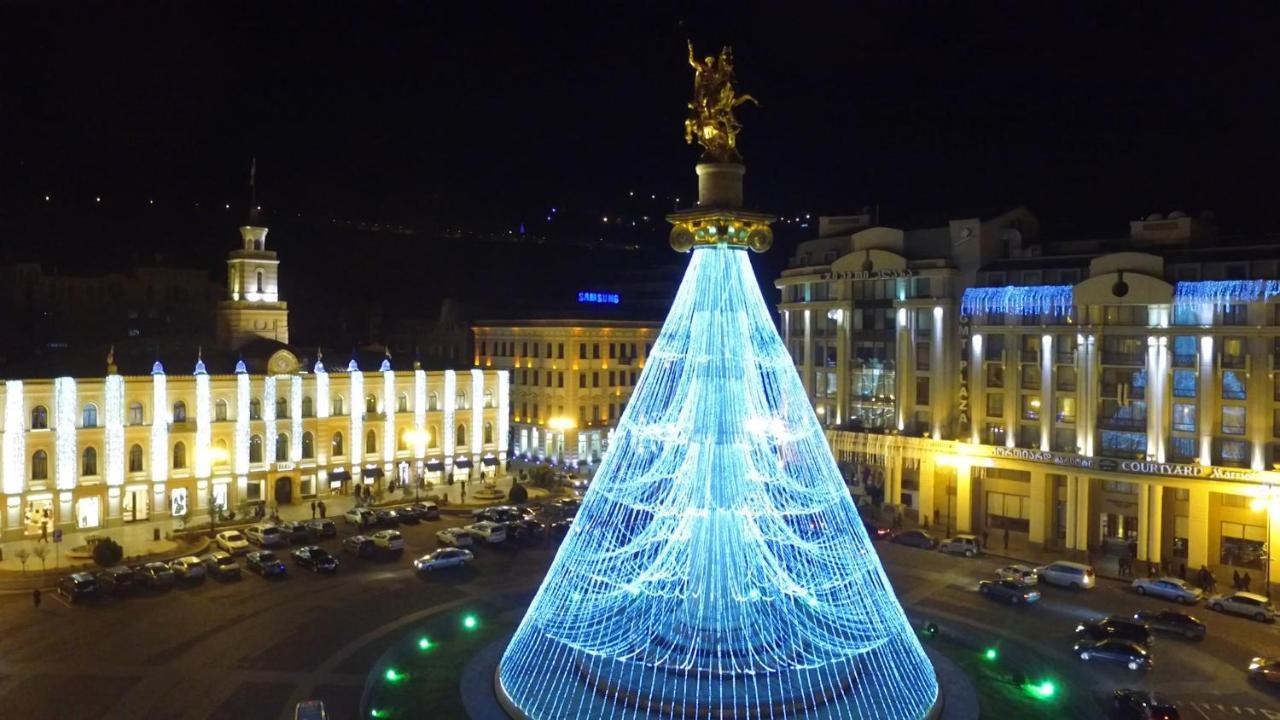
[599,298]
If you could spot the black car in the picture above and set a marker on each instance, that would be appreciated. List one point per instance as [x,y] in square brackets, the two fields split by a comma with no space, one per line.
[265,563]
[876,532]
[321,529]
[1113,649]
[916,538]
[560,528]
[78,586]
[408,515]
[295,532]
[386,517]
[1010,591]
[315,559]
[1131,704]
[155,575]
[1172,621]
[426,511]
[361,545]
[529,529]
[1115,627]
[118,580]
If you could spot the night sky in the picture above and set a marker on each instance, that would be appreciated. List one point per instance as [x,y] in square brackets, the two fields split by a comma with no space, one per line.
[432,115]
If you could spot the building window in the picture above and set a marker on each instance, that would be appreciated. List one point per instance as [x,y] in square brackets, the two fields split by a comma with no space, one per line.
[1030,407]
[136,416]
[308,446]
[559,379]
[460,438]
[255,409]
[282,448]
[595,351]
[40,465]
[1233,420]
[370,443]
[282,408]
[922,391]
[1233,385]
[1184,417]
[179,456]
[39,418]
[488,395]
[613,378]
[308,407]
[488,433]
[179,412]
[370,404]
[995,405]
[1182,449]
[1066,410]
[1066,378]
[582,380]
[1184,383]
[595,379]
[1123,444]
[433,437]
[337,449]
[582,351]
[220,411]
[560,351]
[255,449]
[135,459]
[922,356]
[995,375]
[337,405]
[259,279]
[89,462]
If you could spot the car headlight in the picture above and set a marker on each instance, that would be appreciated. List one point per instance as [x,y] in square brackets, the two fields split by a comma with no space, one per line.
[1255,664]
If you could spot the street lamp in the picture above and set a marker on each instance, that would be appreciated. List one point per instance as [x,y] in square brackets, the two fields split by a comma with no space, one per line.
[418,439]
[560,424]
[1270,505]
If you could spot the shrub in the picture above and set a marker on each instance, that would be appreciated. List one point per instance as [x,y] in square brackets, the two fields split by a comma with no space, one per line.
[107,552]
[518,494]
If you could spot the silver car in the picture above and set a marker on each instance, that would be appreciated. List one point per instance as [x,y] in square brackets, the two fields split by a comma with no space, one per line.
[443,558]
[1243,603]
[1169,588]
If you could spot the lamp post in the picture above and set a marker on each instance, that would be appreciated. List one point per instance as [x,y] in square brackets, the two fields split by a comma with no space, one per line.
[418,439]
[560,424]
[1268,504]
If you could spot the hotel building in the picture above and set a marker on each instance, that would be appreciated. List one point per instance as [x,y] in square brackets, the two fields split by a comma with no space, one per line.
[1108,395]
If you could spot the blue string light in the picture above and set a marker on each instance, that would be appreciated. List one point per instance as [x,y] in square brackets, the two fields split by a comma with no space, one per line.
[1224,292]
[1017,300]
[718,567]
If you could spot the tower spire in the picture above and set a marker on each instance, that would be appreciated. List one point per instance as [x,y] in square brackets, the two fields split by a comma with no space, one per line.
[253,191]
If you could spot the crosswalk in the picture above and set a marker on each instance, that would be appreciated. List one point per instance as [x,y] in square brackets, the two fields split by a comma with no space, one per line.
[1218,711]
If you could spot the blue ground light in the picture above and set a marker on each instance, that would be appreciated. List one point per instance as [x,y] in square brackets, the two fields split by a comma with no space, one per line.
[717,567]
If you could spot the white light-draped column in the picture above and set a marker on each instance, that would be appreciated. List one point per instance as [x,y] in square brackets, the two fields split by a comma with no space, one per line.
[160,419]
[113,431]
[64,428]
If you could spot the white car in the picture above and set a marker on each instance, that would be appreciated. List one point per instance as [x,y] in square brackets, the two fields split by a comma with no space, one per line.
[265,534]
[443,558]
[456,537]
[388,540]
[361,517]
[1169,588]
[1243,603]
[188,568]
[966,545]
[1019,573]
[1065,573]
[232,542]
[490,532]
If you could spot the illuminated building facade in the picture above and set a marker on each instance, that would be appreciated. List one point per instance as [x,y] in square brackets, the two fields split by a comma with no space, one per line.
[1105,395]
[570,380]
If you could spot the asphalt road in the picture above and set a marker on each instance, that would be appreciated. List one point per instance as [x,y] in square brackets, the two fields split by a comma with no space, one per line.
[252,648]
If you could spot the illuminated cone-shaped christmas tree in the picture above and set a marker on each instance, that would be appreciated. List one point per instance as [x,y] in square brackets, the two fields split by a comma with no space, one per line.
[718,567]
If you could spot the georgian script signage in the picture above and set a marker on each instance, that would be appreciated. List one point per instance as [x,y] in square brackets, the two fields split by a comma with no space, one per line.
[1044,456]
[865,275]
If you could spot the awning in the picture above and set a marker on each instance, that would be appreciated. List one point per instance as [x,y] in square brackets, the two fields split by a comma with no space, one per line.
[374,472]
[489,460]
[339,475]
[435,465]
[462,462]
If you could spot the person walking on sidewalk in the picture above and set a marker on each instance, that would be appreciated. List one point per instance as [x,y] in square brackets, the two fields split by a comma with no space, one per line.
[1246,582]
[44,531]
[1006,538]
[320,506]
[35,598]
[1235,579]
[313,509]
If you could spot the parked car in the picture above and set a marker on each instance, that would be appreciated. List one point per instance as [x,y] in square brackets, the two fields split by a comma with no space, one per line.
[295,532]
[1265,669]
[497,514]
[569,503]
[310,710]
[1171,621]
[408,515]
[1115,626]
[455,537]
[560,529]
[527,528]
[966,545]
[78,586]
[221,565]
[321,529]
[1065,573]
[1244,603]
[265,535]
[360,517]
[386,518]
[443,558]
[154,575]
[361,545]
[876,531]
[389,541]
[490,532]
[315,559]
[916,538]
[1011,591]
[117,580]
[265,563]
[1020,573]
[232,542]
[1116,650]
[1169,588]
[188,568]
[1132,704]
[426,510]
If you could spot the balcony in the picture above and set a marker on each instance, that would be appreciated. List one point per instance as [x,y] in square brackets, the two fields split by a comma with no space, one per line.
[1124,358]
[1130,424]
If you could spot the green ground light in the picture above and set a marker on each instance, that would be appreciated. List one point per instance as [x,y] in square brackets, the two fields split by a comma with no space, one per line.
[991,654]
[379,713]
[424,643]
[1043,690]
[470,622]
[393,676]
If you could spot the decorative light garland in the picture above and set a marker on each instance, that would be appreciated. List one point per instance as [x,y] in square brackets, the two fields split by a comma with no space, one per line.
[356,452]
[504,413]
[113,432]
[204,427]
[64,428]
[389,408]
[295,413]
[269,419]
[717,567]
[1018,300]
[15,439]
[450,394]
[420,409]
[241,463]
[322,391]
[1202,293]
[477,412]
[159,424]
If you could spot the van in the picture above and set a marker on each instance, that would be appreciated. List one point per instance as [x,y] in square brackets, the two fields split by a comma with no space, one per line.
[1064,573]
[265,535]
[966,545]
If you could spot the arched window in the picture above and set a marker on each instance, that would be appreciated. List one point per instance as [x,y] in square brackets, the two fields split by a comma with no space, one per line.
[255,449]
[40,465]
[462,401]
[337,445]
[433,437]
[89,417]
[370,404]
[337,405]
[179,456]
[179,412]
[402,405]
[282,448]
[223,456]
[89,462]
[282,408]
[135,459]
[401,445]
[488,398]
[259,277]
[370,442]
[308,407]
[488,433]
[433,401]
[39,418]
[461,437]
[255,409]
[308,446]
[136,414]
[220,410]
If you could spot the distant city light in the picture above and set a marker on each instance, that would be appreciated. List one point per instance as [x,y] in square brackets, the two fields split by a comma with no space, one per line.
[46,198]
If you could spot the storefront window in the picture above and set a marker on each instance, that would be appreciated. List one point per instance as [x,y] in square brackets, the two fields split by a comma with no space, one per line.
[178,502]
[220,496]
[88,512]
[39,515]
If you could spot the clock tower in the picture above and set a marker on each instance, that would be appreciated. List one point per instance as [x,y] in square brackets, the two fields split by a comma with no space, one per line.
[253,309]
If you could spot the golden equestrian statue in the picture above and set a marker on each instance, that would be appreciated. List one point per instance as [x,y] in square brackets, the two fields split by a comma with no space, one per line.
[711,118]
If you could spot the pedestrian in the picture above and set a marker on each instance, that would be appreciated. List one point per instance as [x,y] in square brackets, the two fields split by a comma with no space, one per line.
[985,532]
[1182,570]
[1120,565]
[44,531]
[313,509]
[35,598]
[1235,579]
[322,509]
[1246,582]
[1006,538]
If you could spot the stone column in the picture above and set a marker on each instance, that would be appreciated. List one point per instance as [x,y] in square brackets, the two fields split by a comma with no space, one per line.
[1048,409]
[926,499]
[964,497]
[940,400]
[977,389]
[842,365]
[905,365]
[1209,401]
[1198,529]
[806,374]
[1041,501]
[1078,512]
